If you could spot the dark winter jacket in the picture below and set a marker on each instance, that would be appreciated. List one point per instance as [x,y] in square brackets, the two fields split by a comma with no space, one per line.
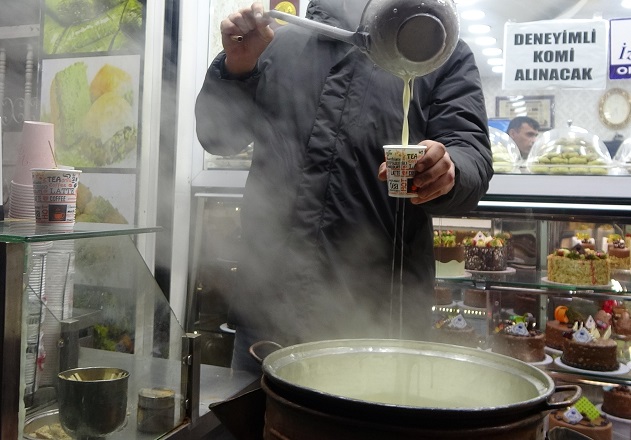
[320,259]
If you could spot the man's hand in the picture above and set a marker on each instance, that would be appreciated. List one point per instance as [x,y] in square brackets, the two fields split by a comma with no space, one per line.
[245,34]
[435,173]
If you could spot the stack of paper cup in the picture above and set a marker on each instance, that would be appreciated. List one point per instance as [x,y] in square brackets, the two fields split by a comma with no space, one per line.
[36,151]
[60,271]
[21,204]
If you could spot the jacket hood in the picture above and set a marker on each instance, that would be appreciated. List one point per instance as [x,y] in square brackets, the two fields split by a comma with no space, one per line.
[344,14]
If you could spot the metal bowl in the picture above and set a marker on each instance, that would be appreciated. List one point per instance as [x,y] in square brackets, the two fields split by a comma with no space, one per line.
[92,401]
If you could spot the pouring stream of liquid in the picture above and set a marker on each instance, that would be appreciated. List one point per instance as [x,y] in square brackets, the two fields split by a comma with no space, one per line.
[399,217]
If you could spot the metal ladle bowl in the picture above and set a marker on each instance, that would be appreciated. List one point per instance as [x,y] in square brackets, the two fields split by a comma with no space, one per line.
[92,401]
[408,38]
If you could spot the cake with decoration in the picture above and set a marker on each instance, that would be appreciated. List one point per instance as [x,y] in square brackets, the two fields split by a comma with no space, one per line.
[587,349]
[448,255]
[584,418]
[584,240]
[619,255]
[617,401]
[484,253]
[455,331]
[561,326]
[579,266]
[520,341]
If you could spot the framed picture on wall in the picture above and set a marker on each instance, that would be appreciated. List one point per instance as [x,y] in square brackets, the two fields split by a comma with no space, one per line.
[540,108]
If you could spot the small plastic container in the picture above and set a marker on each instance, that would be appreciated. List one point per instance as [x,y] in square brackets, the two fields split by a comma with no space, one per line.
[570,150]
[506,155]
[156,410]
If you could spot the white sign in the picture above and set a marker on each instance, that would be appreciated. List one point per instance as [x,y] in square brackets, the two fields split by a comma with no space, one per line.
[564,54]
[620,48]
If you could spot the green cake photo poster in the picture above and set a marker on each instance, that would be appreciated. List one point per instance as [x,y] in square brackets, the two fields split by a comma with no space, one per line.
[86,26]
[93,103]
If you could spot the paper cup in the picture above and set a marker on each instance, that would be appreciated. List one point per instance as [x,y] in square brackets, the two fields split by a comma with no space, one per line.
[55,195]
[400,161]
[36,150]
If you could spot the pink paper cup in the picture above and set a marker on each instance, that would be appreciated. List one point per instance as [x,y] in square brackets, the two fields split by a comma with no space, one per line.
[55,195]
[400,161]
[36,150]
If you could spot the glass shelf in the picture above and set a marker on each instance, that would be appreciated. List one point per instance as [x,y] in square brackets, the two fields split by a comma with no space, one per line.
[534,280]
[27,231]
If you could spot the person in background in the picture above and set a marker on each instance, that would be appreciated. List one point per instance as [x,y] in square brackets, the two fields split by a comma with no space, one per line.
[327,253]
[524,131]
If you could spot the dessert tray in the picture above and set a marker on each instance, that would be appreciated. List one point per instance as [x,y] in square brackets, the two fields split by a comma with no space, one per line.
[622,369]
[593,286]
[508,270]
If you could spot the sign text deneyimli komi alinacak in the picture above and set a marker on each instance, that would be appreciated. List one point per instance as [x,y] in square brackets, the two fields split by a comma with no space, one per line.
[556,53]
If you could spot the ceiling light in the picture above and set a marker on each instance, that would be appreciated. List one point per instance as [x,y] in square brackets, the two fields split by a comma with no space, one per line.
[497,69]
[495,61]
[479,29]
[485,41]
[492,51]
[626,4]
[473,14]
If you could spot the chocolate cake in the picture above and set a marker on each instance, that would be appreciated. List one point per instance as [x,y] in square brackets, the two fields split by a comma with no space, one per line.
[443,296]
[598,355]
[584,240]
[587,350]
[555,333]
[455,331]
[484,253]
[617,401]
[508,244]
[619,255]
[599,429]
[474,298]
[518,342]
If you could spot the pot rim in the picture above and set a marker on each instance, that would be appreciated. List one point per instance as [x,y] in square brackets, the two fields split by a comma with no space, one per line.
[542,382]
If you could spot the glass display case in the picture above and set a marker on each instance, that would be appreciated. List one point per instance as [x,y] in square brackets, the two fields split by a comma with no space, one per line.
[506,155]
[85,299]
[622,158]
[569,150]
[541,212]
